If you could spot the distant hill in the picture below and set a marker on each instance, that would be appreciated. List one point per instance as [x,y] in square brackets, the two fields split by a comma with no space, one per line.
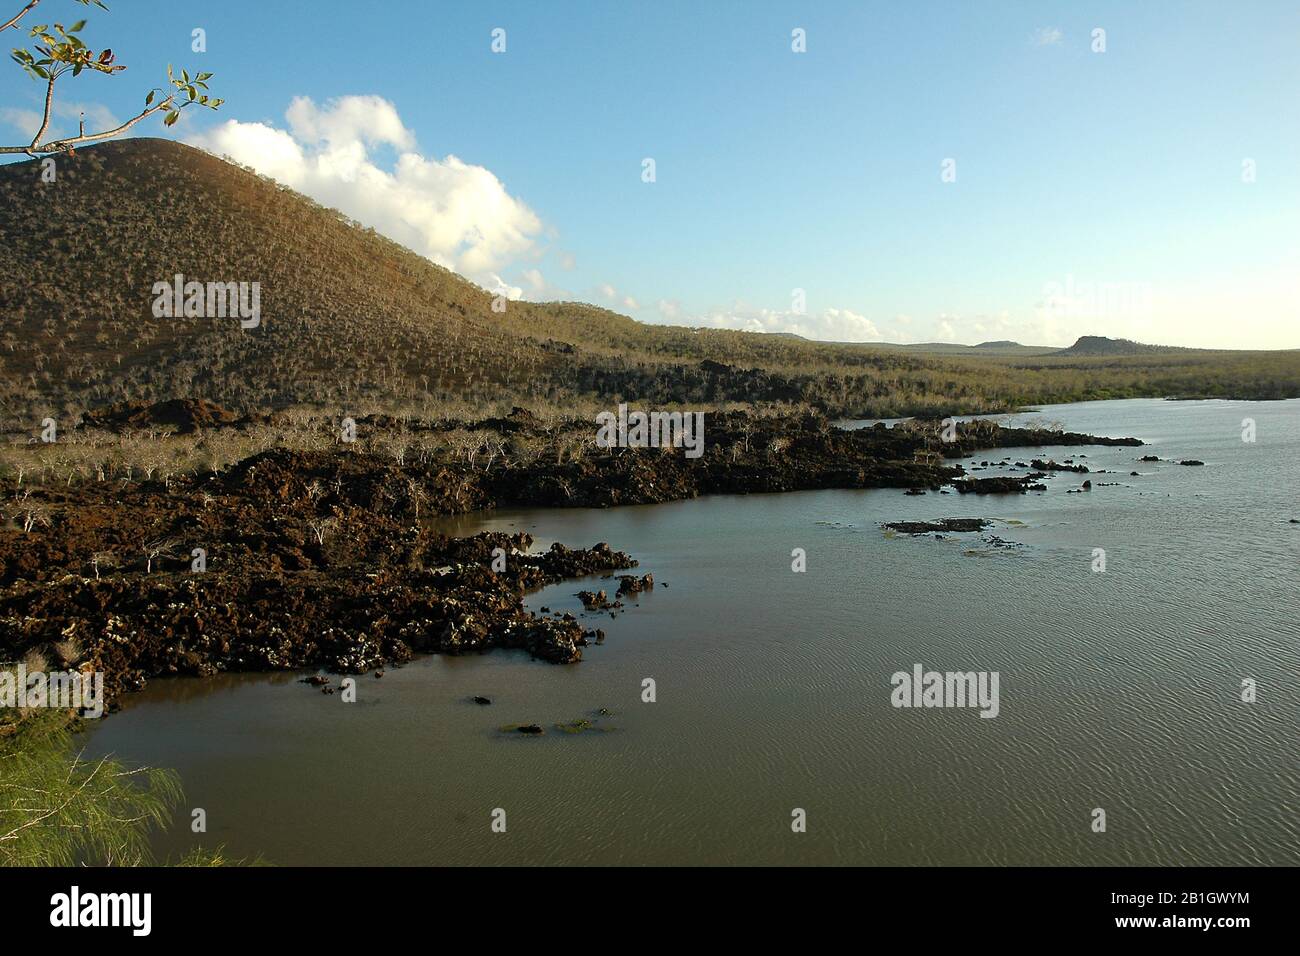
[353,321]
[1004,347]
[1100,345]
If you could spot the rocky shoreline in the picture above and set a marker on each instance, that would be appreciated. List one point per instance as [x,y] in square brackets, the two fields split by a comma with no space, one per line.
[323,556]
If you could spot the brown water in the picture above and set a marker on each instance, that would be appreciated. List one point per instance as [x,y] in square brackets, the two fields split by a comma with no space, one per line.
[1118,690]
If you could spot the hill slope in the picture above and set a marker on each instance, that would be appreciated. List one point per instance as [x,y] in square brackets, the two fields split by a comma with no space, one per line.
[353,321]
[1100,345]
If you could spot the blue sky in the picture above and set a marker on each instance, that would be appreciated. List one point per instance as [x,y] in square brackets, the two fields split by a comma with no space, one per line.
[1095,192]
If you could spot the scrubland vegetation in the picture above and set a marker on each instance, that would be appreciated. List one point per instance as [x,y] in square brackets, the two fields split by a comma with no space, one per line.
[354,323]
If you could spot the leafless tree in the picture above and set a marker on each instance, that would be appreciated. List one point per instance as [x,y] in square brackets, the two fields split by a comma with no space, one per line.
[415,493]
[159,548]
[103,559]
[321,527]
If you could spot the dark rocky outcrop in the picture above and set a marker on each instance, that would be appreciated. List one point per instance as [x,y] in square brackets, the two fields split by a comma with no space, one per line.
[322,559]
[1050,465]
[182,415]
[631,584]
[291,581]
[597,601]
[1003,485]
[943,525]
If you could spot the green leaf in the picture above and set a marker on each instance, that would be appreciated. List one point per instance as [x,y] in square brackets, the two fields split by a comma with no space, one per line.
[148,100]
[172,117]
[78,26]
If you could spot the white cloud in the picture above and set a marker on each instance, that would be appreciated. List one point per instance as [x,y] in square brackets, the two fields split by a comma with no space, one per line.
[27,122]
[498,286]
[831,325]
[455,213]
[617,298]
[537,288]
[670,309]
[65,120]
[535,280]
[370,119]
[1048,36]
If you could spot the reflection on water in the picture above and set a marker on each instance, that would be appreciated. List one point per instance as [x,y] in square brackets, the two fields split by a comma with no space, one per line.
[1118,690]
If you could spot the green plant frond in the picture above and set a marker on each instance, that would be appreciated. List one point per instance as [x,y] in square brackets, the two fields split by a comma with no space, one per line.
[58,808]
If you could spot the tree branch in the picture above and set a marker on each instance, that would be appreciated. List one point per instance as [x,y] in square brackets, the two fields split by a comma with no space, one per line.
[49,105]
[60,145]
[19,15]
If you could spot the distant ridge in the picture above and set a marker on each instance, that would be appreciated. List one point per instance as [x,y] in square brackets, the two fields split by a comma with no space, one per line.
[1100,345]
[1003,346]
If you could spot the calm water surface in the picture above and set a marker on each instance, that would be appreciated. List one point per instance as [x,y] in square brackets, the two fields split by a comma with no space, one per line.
[1119,690]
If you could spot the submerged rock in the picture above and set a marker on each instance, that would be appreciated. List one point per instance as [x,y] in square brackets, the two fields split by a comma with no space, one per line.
[631,584]
[593,600]
[942,525]
[1005,485]
[1050,465]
